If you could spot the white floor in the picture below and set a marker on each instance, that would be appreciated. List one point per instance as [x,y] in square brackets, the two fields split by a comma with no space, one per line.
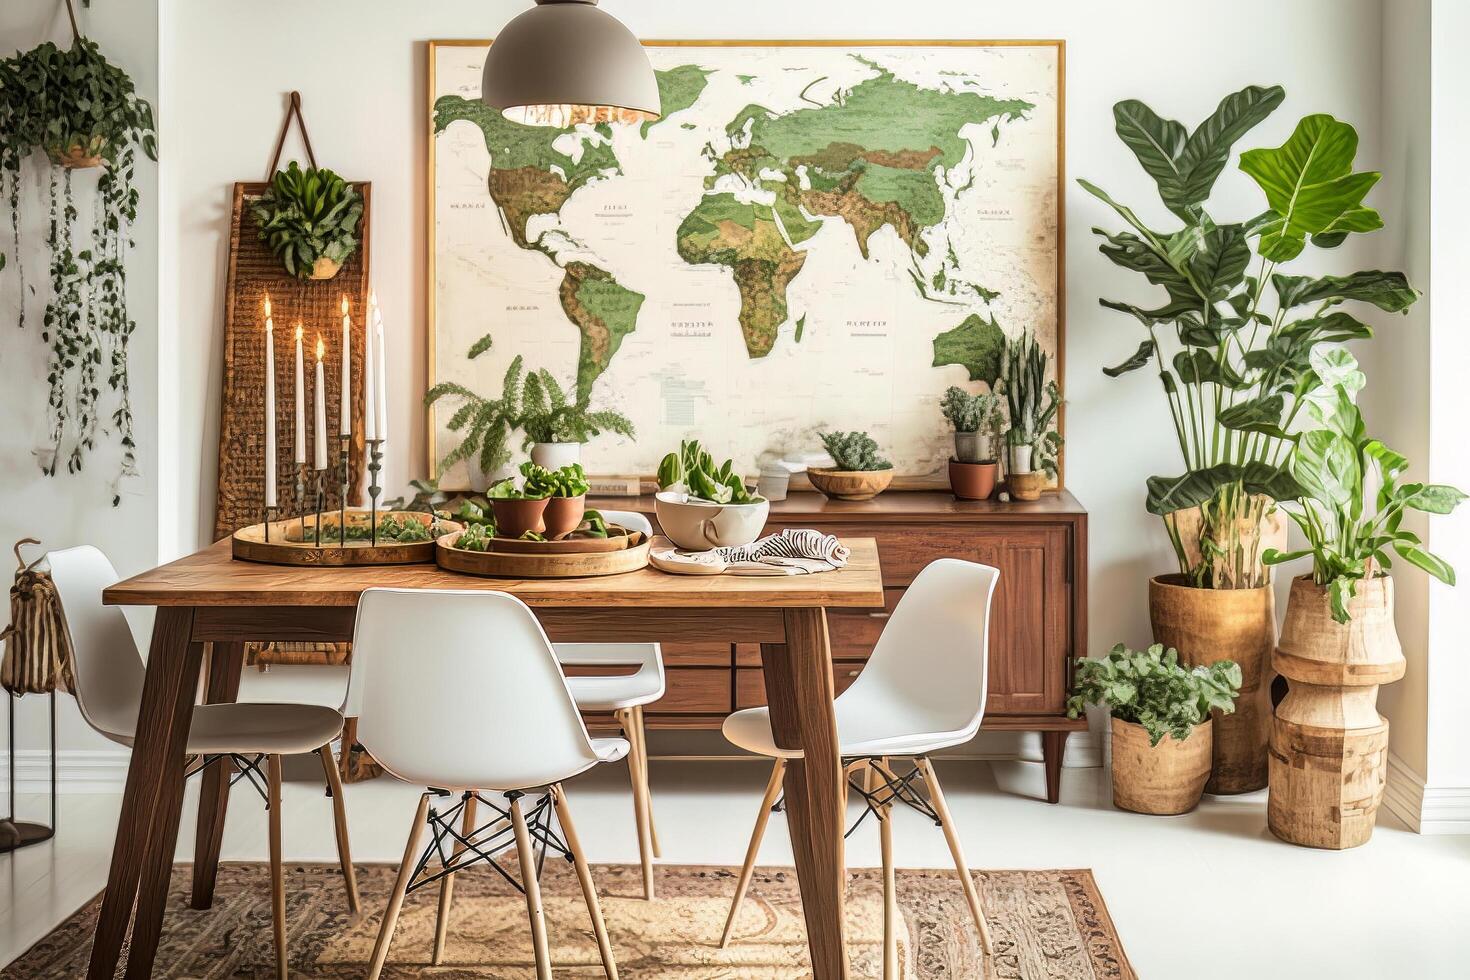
[1208,895]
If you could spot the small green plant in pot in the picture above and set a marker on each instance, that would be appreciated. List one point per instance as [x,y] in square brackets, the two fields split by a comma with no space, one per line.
[860,473]
[566,493]
[978,423]
[1162,732]
[309,219]
[555,427]
[701,506]
[1032,402]
[520,511]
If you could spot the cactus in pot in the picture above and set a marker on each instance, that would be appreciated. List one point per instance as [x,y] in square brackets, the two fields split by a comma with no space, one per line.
[1033,402]
[978,423]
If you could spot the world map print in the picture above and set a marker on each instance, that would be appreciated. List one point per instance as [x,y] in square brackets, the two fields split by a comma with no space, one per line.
[809,238]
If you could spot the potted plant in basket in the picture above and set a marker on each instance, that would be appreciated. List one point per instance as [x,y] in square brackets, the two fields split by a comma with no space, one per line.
[308,218]
[1032,402]
[1338,643]
[859,474]
[1231,344]
[556,428]
[978,422]
[566,496]
[1162,730]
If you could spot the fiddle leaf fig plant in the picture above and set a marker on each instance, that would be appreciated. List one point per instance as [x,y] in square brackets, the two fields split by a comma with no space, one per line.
[1232,339]
[84,114]
[309,218]
[1153,689]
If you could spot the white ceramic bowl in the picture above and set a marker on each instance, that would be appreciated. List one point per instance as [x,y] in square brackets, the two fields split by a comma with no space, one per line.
[696,525]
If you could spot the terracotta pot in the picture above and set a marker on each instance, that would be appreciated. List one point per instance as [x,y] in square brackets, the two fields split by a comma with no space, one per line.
[1209,625]
[851,484]
[563,514]
[1162,779]
[1026,486]
[324,268]
[973,481]
[1329,744]
[515,517]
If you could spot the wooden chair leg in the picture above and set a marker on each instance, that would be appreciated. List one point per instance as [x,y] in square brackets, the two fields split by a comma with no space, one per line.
[339,821]
[400,886]
[534,911]
[642,726]
[584,876]
[278,881]
[446,886]
[890,882]
[637,775]
[773,790]
[952,837]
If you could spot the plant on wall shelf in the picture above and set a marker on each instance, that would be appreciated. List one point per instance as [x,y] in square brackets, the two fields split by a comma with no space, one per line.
[547,416]
[1032,402]
[1232,347]
[308,218]
[83,113]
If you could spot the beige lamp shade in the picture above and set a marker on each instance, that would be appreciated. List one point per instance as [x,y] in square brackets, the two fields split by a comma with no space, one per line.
[564,62]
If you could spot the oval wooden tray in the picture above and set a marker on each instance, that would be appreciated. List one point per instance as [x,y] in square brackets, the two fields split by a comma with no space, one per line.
[618,539]
[500,564]
[250,544]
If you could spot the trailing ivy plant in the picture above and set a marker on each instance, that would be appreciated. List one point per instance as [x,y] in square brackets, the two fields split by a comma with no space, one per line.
[1153,689]
[308,219]
[1347,538]
[1232,346]
[83,113]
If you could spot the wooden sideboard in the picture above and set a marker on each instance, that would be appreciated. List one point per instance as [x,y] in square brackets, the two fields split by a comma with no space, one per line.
[1039,615]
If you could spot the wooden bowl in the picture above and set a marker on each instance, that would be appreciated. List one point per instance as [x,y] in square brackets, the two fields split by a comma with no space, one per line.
[851,484]
[1026,486]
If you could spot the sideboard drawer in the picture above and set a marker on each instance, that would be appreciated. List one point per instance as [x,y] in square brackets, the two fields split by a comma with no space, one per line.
[750,683]
[696,654]
[694,690]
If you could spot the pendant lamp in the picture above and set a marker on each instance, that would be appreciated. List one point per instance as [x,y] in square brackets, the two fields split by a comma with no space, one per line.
[565,62]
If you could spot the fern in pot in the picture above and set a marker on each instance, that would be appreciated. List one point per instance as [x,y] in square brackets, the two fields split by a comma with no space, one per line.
[1162,726]
[978,423]
[555,428]
[485,423]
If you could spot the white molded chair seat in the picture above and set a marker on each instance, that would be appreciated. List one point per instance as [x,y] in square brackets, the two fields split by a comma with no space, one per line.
[261,729]
[610,749]
[295,684]
[862,730]
[615,691]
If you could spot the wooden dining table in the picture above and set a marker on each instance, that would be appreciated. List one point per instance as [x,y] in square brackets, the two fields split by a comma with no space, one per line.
[210,605]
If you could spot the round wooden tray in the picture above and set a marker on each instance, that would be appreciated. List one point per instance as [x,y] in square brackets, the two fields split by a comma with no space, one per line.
[618,538]
[545,563]
[285,546]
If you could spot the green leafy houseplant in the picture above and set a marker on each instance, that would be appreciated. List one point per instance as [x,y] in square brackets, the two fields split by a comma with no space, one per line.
[83,112]
[1347,539]
[309,220]
[568,481]
[547,416]
[1032,402]
[1232,346]
[1151,688]
[854,452]
[485,422]
[977,420]
[693,471]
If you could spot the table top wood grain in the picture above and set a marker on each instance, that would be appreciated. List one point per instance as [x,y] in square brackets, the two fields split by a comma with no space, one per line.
[211,577]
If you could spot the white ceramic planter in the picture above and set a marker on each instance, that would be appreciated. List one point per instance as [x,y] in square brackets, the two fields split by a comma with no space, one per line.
[555,455]
[1021,459]
[695,525]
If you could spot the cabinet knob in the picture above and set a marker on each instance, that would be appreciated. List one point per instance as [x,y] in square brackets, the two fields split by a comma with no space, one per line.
[878,615]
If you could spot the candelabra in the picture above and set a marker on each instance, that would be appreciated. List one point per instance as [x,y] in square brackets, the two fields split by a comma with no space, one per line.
[301,497]
[321,498]
[375,464]
[342,503]
[270,515]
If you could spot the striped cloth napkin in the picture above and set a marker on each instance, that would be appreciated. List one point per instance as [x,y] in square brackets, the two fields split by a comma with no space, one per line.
[798,548]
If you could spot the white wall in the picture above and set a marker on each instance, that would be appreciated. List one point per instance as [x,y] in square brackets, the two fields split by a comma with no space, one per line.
[66,510]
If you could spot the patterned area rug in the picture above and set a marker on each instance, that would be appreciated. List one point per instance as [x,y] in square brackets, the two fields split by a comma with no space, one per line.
[1047,925]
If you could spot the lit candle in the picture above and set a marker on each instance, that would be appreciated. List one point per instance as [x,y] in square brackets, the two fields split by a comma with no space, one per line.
[346,411]
[270,407]
[300,403]
[369,374]
[319,437]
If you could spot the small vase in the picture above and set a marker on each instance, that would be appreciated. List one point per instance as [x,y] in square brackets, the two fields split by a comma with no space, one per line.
[514,517]
[973,481]
[563,515]
[1021,459]
[555,455]
[1163,779]
[1026,486]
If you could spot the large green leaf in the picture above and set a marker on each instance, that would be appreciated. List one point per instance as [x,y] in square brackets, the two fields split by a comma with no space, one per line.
[1168,494]
[1199,366]
[1125,212]
[1326,467]
[1309,184]
[1219,262]
[1140,357]
[1261,414]
[1433,564]
[1158,144]
[1389,291]
[1356,220]
[1434,498]
[1149,318]
[1335,327]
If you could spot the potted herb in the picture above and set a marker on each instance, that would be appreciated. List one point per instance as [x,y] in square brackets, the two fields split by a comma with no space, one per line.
[486,422]
[701,505]
[1339,643]
[859,474]
[556,428]
[519,510]
[977,421]
[1162,730]
[82,112]
[566,493]
[1032,403]
[308,218]
[1230,339]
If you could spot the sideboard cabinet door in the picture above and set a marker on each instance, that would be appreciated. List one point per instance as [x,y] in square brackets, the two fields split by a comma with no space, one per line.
[1029,643]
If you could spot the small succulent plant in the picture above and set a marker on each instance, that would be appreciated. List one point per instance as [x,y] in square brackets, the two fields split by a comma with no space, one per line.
[854,451]
[309,220]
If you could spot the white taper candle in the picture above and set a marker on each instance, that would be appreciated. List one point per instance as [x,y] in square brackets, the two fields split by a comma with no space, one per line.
[369,373]
[300,447]
[346,410]
[319,436]
[270,407]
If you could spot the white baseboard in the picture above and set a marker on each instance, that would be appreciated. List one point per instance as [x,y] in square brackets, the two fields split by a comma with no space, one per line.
[1425,809]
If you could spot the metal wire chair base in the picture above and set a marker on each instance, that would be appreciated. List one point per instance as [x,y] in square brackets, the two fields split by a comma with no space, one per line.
[485,843]
[893,789]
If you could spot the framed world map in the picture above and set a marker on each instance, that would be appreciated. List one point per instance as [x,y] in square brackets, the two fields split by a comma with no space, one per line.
[813,236]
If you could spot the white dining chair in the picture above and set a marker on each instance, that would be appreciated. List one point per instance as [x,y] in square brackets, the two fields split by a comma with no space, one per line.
[624,695]
[461,692]
[922,690]
[109,689]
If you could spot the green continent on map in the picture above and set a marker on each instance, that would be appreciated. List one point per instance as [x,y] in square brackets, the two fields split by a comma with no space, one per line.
[604,312]
[678,89]
[977,345]
[724,231]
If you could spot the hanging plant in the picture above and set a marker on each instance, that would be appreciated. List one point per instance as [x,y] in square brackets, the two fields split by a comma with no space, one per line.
[83,113]
[308,218]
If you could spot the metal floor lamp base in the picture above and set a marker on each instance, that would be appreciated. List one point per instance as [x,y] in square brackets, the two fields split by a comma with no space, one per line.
[15,834]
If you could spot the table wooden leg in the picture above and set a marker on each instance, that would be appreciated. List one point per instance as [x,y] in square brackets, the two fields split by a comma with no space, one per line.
[1053,748]
[223,687]
[157,767]
[798,678]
